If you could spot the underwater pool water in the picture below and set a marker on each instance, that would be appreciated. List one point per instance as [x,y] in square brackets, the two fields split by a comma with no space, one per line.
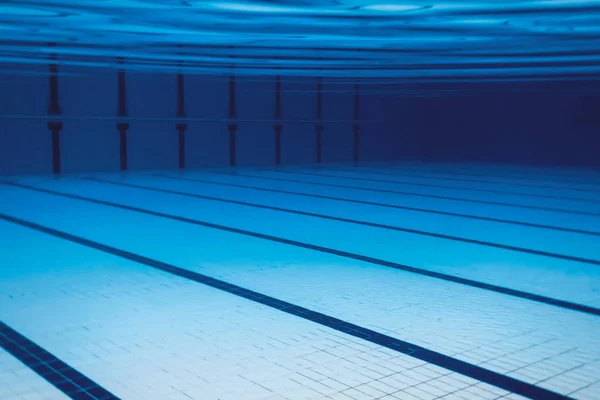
[368,39]
[384,281]
[164,235]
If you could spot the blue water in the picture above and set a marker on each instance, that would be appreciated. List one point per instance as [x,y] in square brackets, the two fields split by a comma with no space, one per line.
[446,40]
[299,200]
[142,333]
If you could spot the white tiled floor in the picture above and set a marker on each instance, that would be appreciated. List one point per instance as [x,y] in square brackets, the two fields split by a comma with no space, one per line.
[368,179]
[498,266]
[146,334]
[247,177]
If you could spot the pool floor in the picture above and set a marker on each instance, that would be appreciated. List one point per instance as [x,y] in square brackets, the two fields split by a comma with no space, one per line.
[382,281]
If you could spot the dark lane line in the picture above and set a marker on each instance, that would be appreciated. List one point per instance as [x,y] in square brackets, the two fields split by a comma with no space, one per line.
[409,349]
[430,196]
[375,171]
[532,177]
[370,203]
[358,222]
[56,372]
[502,192]
[450,278]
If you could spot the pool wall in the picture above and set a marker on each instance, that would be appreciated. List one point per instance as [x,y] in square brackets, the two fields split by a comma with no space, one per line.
[171,120]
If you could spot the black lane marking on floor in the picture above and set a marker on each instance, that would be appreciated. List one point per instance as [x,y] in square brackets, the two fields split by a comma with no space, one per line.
[430,196]
[501,192]
[358,222]
[370,203]
[376,261]
[532,177]
[407,348]
[56,372]
[402,173]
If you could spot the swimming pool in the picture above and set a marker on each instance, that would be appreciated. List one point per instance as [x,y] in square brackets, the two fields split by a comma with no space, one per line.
[387,280]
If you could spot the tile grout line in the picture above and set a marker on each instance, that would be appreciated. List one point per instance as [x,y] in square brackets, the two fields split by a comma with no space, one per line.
[437,275]
[409,349]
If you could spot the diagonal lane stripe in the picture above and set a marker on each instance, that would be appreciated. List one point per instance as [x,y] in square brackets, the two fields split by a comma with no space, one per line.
[364,223]
[385,205]
[412,350]
[430,196]
[58,373]
[401,174]
[372,260]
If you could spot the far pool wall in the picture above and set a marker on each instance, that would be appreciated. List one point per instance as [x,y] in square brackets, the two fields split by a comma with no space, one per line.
[88,100]
[555,126]
[542,124]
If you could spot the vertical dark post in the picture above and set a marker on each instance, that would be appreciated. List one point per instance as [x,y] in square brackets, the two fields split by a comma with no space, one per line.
[122,127]
[54,110]
[319,126]
[181,126]
[233,126]
[278,127]
[55,128]
[356,126]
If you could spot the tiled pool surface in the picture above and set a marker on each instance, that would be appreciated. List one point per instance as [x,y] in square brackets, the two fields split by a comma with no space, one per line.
[384,281]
